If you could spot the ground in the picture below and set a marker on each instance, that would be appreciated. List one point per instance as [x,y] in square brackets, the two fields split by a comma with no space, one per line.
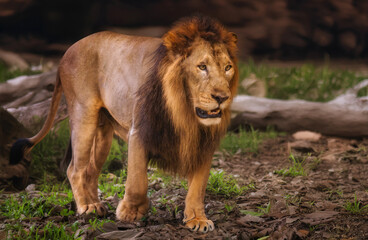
[328,200]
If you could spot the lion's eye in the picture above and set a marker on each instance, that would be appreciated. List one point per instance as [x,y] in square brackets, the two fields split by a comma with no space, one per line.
[202,67]
[228,67]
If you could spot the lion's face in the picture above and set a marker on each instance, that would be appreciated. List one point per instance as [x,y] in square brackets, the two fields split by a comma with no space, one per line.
[209,71]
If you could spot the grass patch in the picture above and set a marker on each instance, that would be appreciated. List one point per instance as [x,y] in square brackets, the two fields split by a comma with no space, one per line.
[245,141]
[110,184]
[49,201]
[307,82]
[296,168]
[225,185]
[6,73]
[49,231]
[355,207]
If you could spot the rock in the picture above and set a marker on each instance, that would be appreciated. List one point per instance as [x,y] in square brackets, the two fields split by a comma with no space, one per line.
[307,136]
[301,146]
[254,86]
[30,188]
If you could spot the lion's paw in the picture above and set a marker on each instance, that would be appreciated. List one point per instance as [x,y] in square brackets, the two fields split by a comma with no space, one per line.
[97,208]
[126,212]
[200,224]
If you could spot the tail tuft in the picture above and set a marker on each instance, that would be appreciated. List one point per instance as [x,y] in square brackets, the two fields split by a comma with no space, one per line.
[17,150]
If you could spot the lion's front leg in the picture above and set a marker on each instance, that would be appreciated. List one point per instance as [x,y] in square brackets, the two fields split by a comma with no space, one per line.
[135,203]
[194,215]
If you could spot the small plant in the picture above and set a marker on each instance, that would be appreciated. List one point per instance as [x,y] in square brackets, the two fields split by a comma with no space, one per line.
[314,164]
[262,211]
[296,168]
[334,194]
[153,210]
[292,199]
[163,200]
[226,185]
[355,207]
[97,224]
[229,208]
[265,210]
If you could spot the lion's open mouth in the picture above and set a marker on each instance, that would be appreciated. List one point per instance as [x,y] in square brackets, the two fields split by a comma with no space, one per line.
[215,113]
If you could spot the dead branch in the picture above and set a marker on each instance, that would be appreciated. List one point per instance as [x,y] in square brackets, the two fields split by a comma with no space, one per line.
[346,115]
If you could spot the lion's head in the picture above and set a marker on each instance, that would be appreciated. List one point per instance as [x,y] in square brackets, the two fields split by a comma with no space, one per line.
[202,54]
[184,107]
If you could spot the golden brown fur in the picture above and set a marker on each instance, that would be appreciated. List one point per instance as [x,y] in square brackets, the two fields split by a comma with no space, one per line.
[167,98]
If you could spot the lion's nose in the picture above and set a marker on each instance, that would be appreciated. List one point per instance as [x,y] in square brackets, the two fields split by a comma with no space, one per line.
[219,98]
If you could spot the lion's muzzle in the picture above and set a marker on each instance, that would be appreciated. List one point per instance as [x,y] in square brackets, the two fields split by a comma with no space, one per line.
[215,113]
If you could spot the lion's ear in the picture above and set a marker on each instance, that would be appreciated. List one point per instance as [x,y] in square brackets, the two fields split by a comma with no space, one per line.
[234,37]
[175,43]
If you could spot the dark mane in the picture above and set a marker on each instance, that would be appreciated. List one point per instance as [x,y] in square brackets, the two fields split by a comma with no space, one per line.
[154,124]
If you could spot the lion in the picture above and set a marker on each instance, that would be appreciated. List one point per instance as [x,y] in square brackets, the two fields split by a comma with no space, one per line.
[168,98]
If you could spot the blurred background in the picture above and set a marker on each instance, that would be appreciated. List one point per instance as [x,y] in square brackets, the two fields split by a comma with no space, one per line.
[267,29]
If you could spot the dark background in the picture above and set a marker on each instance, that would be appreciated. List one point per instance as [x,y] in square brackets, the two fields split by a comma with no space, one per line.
[275,29]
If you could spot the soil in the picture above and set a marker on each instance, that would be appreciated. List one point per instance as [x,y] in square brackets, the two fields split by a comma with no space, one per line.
[302,207]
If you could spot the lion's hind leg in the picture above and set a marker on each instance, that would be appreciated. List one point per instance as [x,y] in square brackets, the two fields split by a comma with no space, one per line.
[91,140]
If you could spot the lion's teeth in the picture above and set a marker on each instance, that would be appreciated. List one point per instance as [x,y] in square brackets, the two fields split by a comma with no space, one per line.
[214,112]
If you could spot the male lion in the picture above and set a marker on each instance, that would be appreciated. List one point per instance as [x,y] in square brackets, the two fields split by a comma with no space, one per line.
[167,98]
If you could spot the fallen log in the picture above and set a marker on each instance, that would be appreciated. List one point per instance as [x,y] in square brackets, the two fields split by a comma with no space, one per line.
[28,99]
[345,116]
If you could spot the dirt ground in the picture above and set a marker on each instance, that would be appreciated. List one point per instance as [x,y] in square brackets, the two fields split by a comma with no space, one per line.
[302,207]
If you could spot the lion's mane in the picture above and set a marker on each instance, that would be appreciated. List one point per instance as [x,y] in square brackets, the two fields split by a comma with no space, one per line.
[167,126]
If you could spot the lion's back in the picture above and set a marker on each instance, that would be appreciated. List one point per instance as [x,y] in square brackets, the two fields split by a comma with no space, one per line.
[107,68]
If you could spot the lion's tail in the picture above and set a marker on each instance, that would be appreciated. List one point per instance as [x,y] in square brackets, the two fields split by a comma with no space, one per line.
[23,146]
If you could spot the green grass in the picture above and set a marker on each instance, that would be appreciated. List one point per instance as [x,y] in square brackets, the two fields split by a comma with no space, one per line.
[6,73]
[245,141]
[118,152]
[110,184]
[225,185]
[355,207]
[307,82]
[297,168]
[23,212]
[40,204]
[47,154]
[261,211]
[49,231]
